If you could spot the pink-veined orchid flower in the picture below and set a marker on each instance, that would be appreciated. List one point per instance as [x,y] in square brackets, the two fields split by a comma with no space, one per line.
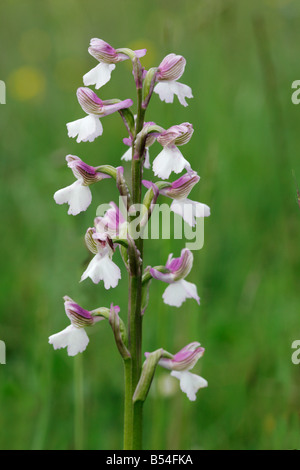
[170,158]
[108,57]
[178,191]
[112,223]
[177,269]
[181,363]
[74,337]
[78,195]
[90,127]
[169,71]
[101,268]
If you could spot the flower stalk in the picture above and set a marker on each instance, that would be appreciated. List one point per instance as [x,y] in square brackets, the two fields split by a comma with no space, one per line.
[113,230]
[133,431]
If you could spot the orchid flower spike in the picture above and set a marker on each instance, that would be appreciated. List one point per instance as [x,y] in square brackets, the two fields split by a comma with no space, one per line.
[181,363]
[177,269]
[108,57]
[101,268]
[170,158]
[78,195]
[74,337]
[149,141]
[169,71]
[178,191]
[90,127]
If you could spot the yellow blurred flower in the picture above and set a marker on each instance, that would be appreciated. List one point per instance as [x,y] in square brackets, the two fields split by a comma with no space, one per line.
[269,424]
[26,83]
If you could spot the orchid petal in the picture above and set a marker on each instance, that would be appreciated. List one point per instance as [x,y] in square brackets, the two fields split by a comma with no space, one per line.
[190,383]
[127,156]
[177,292]
[99,75]
[168,88]
[102,268]
[87,128]
[72,338]
[190,210]
[168,160]
[164,91]
[78,196]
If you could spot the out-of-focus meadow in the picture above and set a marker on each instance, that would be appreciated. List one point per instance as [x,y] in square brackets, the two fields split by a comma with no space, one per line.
[242,58]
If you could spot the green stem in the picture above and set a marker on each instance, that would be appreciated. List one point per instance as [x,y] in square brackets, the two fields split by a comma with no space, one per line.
[133,413]
[138,425]
[135,341]
[140,113]
[128,408]
[79,402]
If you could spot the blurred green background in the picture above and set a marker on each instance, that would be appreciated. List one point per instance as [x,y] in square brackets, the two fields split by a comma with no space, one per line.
[242,58]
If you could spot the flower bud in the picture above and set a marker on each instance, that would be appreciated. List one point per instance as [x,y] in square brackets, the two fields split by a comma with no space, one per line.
[181,188]
[171,67]
[92,104]
[180,267]
[104,52]
[83,171]
[176,268]
[89,101]
[78,316]
[185,359]
[176,135]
